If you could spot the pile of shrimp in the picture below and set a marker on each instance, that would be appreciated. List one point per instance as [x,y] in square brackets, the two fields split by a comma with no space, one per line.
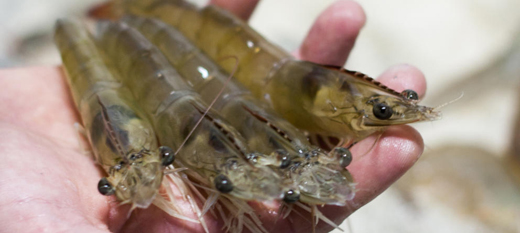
[218,118]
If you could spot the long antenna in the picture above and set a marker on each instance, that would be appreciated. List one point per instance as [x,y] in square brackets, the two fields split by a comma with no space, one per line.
[211,104]
[453,101]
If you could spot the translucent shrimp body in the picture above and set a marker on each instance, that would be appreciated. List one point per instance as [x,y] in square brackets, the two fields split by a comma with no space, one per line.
[316,175]
[215,150]
[318,99]
[123,142]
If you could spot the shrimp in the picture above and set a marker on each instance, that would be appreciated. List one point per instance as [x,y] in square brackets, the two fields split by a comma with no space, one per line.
[321,178]
[123,141]
[325,100]
[216,152]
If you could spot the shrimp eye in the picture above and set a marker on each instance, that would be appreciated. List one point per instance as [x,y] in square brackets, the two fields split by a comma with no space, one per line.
[223,184]
[252,157]
[344,156]
[382,111]
[167,154]
[284,158]
[291,196]
[105,188]
[410,94]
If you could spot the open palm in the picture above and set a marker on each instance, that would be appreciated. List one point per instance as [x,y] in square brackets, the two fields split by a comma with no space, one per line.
[47,183]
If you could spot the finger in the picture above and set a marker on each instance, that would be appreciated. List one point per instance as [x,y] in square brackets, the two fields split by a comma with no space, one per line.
[241,8]
[333,35]
[395,152]
[404,76]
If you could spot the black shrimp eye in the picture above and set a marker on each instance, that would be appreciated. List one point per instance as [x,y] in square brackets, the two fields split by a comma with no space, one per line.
[283,157]
[382,111]
[167,154]
[291,196]
[410,94]
[223,184]
[344,156]
[105,188]
[252,157]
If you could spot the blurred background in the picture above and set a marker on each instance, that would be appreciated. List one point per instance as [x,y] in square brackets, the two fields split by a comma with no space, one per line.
[468,178]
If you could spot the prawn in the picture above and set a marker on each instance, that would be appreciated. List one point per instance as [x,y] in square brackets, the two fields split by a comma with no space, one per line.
[325,100]
[123,141]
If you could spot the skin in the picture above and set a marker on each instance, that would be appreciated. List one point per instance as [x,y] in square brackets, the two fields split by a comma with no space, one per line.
[48,182]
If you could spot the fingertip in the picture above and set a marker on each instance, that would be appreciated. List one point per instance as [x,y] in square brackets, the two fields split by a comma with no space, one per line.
[396,151]
[404,76]
[334,33]
[241,8]
[404,144]
[351,12]
[347,14]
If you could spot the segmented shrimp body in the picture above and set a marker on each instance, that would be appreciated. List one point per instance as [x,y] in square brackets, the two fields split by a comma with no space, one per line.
[329,101]
[319,177]
[215,150]
[122,140]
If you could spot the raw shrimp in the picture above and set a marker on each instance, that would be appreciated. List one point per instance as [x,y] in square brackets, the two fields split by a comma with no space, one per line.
[321,178]
[215,151]
[324,100]
[123,142]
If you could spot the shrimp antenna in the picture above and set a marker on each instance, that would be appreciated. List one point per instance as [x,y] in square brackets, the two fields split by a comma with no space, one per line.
[212,102]
[448,103]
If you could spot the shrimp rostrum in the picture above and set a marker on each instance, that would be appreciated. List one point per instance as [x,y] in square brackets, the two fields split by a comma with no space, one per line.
[324,100]
[215,150]
[315,177]
[123,141]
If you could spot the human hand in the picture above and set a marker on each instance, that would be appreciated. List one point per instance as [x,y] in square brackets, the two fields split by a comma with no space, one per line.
[46,182]
[329,42]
